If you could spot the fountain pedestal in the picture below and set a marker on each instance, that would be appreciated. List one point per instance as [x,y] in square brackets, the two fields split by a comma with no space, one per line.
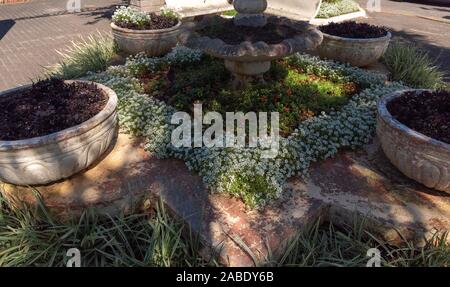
[245,72]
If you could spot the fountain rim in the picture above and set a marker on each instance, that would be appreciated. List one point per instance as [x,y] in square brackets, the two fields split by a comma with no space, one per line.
[253,51]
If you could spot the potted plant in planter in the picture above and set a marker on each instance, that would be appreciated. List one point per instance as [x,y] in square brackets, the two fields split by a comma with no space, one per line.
[414,130]
[135,31]
[53,129]
[358,44]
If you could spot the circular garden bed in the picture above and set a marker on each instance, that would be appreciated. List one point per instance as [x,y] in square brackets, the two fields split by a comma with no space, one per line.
[287,89]
[323,107]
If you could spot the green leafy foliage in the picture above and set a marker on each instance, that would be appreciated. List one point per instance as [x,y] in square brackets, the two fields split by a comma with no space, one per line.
[332,245]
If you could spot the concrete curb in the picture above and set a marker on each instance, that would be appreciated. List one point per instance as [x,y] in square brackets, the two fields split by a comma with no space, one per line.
[361,13]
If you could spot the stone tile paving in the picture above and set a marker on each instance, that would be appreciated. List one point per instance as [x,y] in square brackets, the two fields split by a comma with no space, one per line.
[30,34]
[361,182]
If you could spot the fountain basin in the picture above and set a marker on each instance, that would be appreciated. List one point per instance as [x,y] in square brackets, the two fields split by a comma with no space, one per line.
[252,58]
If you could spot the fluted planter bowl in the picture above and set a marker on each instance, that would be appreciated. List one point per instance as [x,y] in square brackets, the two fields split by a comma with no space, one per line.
[49,158]
[356,52]
[419,157]
[153,42]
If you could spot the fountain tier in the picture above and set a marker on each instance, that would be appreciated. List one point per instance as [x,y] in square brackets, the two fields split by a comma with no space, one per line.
[252,57]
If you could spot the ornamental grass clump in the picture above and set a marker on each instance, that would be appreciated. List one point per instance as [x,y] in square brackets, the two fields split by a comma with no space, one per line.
[86,55]
[33,237]
[412,66]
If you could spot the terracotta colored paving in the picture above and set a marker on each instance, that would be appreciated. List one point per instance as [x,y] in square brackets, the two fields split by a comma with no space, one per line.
[363,182]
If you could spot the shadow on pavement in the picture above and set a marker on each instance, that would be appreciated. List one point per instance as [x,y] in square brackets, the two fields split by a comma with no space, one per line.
[5,26]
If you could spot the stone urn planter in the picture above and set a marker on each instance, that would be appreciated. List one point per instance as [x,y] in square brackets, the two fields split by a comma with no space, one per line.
[153,42]
[418,156]
[356,52]
[49,158]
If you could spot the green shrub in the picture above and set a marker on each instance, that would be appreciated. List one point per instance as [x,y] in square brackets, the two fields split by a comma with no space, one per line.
[87,55]
[412,66]
[319,137]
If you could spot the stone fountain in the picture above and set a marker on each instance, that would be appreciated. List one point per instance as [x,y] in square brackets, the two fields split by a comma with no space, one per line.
[250,58]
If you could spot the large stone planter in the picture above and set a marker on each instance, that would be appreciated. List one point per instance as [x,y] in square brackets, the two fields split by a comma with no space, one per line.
[419,157]
[356,52]
[46,159]
[153,42]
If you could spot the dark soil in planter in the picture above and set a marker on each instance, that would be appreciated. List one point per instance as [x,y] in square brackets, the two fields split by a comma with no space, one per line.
[354,30]
[157,22]
[234,35]
[48,106]
[426,112]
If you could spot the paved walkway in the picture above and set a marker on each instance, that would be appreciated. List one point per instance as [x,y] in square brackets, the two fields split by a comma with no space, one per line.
[426,25]
[30,34]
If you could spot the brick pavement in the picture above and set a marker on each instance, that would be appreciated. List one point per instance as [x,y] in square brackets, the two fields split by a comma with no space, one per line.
[413,22]
[30,34]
